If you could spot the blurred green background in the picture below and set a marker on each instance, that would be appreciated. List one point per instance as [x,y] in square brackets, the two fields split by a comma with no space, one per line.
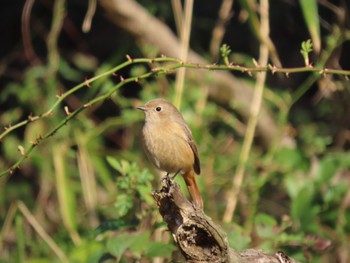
[84,194]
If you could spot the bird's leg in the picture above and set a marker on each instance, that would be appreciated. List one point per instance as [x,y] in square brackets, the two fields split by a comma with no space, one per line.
[173,177]
[165,177]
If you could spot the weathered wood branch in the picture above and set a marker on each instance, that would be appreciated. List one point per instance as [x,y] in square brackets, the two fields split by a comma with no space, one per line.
[198,238]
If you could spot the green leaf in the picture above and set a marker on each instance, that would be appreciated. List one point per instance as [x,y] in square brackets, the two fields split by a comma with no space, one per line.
[124,183]
[145,192]
[140,243]
[304,211]
[119,244]
[290,159]
[114,163]
[265,226]
[330,164]
[287,238]
[293,183]
[301,204]
[69,73]
[306,48]
[122,166]
[334,193]
[113,224]
[158,249]
[88,251]
[225,52]
[326,169]
[310,13]
[136,243]
[237,237]
[123,204]
[144,177]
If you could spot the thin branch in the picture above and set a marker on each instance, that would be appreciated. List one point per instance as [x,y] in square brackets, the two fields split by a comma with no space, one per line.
[61,98]
[89,16]
[71,115]
[169,69]
[27,41]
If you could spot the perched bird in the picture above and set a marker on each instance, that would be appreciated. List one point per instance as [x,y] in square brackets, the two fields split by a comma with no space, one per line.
[169,144]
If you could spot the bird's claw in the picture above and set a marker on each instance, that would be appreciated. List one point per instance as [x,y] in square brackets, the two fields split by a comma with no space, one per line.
[165,178]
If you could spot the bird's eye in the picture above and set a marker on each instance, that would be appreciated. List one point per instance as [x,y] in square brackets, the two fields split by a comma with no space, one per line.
[158,108]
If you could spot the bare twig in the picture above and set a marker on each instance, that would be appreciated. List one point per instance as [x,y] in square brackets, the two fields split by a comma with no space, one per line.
[89,15]
[27,41]
[165,70]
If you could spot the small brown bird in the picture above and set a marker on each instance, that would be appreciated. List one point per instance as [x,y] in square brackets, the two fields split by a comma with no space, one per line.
[169,143]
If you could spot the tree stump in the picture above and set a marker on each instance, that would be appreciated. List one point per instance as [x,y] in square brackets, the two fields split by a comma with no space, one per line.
[196,235]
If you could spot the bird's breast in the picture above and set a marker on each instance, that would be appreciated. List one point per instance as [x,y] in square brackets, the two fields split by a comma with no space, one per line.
[167,147]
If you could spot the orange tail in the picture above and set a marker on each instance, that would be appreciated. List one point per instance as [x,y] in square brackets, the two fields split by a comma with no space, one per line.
[193,188]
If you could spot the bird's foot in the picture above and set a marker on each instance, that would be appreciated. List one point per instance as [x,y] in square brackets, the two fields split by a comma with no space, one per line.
[165,178]
[173,177]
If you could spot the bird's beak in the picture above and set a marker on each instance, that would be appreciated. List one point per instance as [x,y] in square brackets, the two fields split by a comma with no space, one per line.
[141,108]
